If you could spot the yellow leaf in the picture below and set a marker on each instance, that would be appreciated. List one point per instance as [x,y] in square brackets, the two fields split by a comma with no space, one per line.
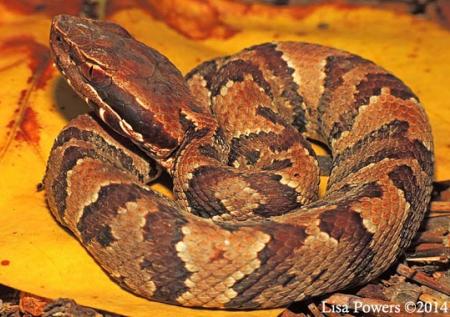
[40,257]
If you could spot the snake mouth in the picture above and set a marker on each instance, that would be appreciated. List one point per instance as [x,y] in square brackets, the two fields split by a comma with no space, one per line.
[67,56]
[68,60]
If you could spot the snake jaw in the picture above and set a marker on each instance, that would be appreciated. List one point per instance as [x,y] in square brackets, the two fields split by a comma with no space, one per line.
[88,69]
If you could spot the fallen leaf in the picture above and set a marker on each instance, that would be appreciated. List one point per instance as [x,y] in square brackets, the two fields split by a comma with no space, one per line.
[39,256]
[32,304]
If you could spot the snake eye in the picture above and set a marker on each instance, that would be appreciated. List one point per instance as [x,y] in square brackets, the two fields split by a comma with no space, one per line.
[95,75]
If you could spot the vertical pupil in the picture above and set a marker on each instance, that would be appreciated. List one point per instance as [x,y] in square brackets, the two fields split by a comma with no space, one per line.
[91,71]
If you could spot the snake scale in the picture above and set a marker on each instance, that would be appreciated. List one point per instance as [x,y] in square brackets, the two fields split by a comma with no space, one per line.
[247,229]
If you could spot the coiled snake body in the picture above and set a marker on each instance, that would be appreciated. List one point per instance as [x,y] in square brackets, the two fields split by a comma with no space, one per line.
[246,230]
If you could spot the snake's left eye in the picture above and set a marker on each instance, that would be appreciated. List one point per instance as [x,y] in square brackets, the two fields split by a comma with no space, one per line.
[95,75]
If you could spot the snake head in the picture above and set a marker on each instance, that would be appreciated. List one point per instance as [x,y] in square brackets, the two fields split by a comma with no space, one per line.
[133,88]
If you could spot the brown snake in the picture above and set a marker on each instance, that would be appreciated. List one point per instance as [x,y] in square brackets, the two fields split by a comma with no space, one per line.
[247,229]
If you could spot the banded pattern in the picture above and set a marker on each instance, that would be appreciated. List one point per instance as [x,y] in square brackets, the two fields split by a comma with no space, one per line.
[247,229]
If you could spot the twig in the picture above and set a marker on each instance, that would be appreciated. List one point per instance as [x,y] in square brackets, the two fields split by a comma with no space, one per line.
[439,209]
[422,278]
[436,254]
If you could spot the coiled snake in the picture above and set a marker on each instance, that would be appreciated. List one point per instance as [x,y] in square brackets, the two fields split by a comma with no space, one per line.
[246,229]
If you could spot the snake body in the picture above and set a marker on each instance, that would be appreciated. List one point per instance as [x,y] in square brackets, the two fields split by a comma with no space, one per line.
[247,229]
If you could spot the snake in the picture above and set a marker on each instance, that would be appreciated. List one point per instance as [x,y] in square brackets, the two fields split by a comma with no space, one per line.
[246,228]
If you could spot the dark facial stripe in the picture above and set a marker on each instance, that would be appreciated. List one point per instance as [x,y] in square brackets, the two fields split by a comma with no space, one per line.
[142,66]
[142,120]
[93,222]
[162,230]
[235,71]
[109,118]
[284,239]
[124,103]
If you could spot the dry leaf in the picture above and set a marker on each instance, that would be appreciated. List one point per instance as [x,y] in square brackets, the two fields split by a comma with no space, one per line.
[39,256]
[32,304]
